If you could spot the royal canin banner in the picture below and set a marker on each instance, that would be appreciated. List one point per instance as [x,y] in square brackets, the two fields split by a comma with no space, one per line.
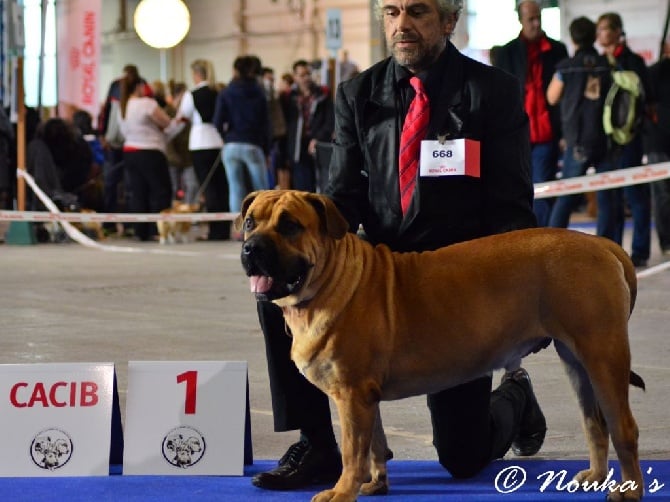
[79,54]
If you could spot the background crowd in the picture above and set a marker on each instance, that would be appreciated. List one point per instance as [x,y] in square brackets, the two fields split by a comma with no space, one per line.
[209,143]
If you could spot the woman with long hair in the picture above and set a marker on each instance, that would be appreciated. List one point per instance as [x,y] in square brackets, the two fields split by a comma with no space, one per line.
[142,124]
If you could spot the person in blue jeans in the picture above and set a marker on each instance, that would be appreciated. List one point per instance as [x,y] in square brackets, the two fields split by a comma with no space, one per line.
[241,116]
[532,57]
[610,36]
[580,85]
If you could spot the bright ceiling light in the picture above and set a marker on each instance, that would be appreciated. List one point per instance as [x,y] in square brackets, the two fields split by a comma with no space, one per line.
[162,23]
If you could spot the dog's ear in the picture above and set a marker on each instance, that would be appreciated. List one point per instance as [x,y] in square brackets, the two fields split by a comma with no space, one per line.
[237,224]
[332,222]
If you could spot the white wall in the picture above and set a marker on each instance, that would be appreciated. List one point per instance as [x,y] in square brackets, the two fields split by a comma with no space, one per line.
[276,34]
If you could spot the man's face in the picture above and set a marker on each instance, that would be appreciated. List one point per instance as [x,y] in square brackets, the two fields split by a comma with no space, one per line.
[415,34]
[303,77]
[530,18]
[268,80]
[606,36]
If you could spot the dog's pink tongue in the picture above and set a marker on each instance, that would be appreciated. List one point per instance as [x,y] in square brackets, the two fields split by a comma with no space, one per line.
[260,283]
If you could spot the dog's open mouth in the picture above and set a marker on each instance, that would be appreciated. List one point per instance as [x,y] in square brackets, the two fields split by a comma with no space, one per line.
[265,287]
[260,284]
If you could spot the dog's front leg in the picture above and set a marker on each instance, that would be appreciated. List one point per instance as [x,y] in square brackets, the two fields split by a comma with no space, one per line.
[379,455]
[357,411]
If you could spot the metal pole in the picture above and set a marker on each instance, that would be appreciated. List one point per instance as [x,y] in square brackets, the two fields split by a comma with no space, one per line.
[20,136]
[163,56]
[40,61]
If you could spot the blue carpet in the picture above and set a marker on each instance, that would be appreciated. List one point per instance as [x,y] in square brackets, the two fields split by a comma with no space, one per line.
[410,481]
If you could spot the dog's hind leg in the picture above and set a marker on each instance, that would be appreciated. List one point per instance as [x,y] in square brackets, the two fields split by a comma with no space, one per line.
[379,451]
[605,390]
[611,379]
[593,422]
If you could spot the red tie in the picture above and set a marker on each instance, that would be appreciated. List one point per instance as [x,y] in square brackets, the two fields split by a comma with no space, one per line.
[413,131]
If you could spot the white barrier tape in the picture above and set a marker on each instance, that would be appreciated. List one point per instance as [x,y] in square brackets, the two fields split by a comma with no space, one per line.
[610,179]
[71,231]
[580,184]
[603,181]
[112,217]
[55,215]
[63,219]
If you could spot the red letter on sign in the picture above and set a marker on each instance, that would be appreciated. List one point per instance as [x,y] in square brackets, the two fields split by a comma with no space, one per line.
[12,395]
[52,394]
[191,379]
[89,394]
[39,395]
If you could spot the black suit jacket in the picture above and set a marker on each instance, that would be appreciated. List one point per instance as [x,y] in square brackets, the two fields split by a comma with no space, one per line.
[477,102]
[513,58]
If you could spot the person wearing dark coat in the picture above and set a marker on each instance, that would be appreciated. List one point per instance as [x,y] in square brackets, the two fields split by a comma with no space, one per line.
[532,58]
[308,113]
[471,103]
[656,140]
[241,117]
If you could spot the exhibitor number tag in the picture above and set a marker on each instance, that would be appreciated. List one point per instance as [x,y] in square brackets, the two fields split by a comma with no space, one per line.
[458,157]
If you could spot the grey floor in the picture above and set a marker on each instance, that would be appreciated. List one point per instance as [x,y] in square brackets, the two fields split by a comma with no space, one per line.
[66,303]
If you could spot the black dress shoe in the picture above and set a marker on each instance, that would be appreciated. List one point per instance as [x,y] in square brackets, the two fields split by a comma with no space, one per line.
[302,465]
[533,426]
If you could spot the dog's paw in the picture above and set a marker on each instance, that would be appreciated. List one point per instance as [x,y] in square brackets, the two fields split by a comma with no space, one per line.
[622,497]
[589,476]
[623,493]
[332,496]
[376,487]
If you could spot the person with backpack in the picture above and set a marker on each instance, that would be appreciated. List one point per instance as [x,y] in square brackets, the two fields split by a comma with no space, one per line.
[580,85]
[626,141]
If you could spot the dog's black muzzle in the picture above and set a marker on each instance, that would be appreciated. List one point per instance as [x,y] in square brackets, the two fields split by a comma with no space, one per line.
[261,258]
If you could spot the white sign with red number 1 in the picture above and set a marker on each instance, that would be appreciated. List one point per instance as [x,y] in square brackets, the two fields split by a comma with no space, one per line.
[185,418]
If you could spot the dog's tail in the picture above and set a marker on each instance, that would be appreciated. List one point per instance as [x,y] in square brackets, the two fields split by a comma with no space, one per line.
[628,269]
[636,381]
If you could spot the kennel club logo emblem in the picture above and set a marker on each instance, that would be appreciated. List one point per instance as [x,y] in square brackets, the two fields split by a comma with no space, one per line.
[183,447]
[51,449]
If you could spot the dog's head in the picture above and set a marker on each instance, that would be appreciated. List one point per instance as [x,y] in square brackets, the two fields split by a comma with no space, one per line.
[287,237]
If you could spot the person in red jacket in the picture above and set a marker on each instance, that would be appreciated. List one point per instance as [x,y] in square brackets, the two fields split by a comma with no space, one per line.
[532,58]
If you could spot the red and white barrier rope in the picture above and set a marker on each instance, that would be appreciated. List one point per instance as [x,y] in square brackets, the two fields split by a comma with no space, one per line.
[582,184]
[603,181]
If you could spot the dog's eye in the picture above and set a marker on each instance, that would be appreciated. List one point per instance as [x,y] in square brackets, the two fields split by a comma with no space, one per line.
[248,224]
[289,227]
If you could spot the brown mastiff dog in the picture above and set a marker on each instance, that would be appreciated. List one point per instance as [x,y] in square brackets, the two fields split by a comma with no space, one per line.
[369,324]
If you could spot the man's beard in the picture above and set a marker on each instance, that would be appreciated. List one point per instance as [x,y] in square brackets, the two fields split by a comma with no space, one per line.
[418,58]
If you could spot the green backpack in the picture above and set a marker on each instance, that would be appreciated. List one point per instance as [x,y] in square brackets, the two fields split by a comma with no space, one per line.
[624,107]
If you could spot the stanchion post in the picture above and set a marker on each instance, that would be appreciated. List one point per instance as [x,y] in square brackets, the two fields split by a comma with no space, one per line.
[20,136]
[20,232]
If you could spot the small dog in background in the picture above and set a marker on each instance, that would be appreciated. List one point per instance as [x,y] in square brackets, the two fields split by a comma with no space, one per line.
[172,231]
[92,228]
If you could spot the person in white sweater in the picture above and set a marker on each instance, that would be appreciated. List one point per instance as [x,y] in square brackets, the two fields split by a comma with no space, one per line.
[143,123]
